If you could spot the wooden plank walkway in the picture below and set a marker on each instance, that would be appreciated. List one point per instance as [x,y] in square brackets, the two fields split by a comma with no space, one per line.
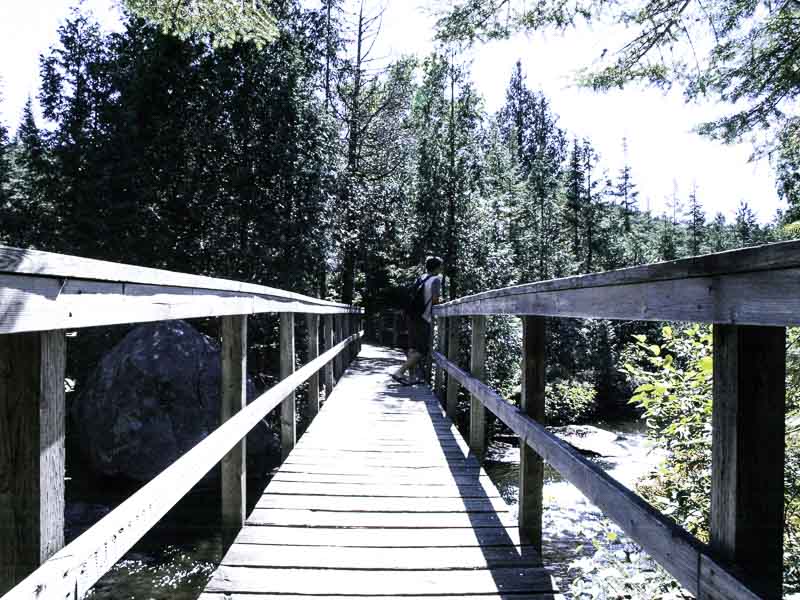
[380,499]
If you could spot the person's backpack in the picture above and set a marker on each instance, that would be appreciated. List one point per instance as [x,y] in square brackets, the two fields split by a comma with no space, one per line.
[415,301]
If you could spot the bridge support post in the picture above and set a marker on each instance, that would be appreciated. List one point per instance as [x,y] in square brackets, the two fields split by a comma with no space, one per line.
[328,369]
[477,412]
[288,409]
[233,478]
[452,356]
[531,466]
[360,324]
[32,369]
[748,447]
[395,330]
[338,361]
[351,349]
[440,343]
[312,393]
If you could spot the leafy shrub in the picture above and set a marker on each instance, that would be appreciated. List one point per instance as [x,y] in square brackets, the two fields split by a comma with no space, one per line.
[569,402]
[674,389]
[619,569]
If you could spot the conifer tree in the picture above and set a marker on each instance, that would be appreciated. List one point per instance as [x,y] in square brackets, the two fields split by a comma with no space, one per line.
[696,223]
[746,230]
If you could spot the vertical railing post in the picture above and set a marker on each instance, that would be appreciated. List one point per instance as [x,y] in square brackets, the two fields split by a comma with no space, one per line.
[395,330]
[341,329]
[748,448]
[233,478]
[440,346]
[312,392]
[351,349]
[32,409]
[359,326]
[477,412]
[531,466]
[288,409]
[337,333]
[329,343]
[452,356]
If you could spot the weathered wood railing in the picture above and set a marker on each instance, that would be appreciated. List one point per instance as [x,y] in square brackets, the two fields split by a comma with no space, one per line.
[750,296]
[41,296]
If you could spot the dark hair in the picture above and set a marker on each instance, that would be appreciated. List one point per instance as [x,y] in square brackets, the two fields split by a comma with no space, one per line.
[432,263]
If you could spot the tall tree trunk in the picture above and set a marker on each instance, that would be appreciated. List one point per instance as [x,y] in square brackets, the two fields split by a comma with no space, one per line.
[349,257]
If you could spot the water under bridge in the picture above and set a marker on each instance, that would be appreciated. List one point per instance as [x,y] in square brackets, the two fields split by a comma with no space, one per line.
[381,496]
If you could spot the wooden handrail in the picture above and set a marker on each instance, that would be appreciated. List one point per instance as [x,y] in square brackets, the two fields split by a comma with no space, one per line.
[752,286]
[72,571]
[42,291]
[680,553]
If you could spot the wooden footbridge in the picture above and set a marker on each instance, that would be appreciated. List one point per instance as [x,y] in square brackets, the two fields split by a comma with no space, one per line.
[381,497]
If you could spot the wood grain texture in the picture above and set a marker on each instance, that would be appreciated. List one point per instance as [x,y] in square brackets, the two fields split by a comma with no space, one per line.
[329,343]
[747,487]
[32,411]
[700,288]
[72,571]
[453,343]
[21,261]
[312,351]
[288,406]
[251,596]
[477,412]
[233,399]
[484,537]
[509,580]
[441,340]
[532,404]
[365,519]
[338,363]
[672,547]
[399,559]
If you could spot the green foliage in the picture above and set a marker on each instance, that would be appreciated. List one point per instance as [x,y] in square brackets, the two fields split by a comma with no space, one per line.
[620,570]
[225,22]
[673,388]
[674,391]
[568,402]
[743,53]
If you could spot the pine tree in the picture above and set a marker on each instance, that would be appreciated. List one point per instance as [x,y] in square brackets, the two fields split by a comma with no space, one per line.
[626,189]
[697,224]
[575,197]
[746,230]
[719,237]
[4,176]
[667,245]
[29,218]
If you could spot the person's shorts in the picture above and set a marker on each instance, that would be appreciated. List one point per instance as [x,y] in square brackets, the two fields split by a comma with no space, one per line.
[419,335]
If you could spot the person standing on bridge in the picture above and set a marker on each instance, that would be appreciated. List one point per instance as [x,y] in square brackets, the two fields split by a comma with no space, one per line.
[425,292]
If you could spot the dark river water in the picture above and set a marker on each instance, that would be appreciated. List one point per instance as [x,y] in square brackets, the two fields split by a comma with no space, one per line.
[175,560]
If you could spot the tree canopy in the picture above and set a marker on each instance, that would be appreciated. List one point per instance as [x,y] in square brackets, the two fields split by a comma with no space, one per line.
[746,54]
[224,21]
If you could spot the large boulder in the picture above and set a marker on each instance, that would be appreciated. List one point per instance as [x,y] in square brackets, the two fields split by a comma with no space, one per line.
[153,397]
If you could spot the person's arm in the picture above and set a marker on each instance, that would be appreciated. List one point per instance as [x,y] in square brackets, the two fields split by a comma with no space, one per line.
[436,290]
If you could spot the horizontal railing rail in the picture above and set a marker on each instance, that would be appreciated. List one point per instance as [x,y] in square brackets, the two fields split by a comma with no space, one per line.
[750,296]
[752,286]
[42,295]
[41,291]
[72,571]
[686,558]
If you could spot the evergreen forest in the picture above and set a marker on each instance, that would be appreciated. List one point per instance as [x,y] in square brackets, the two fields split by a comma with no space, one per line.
[305,162]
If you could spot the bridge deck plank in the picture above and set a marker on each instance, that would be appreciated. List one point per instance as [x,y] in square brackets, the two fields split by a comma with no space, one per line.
[380,498]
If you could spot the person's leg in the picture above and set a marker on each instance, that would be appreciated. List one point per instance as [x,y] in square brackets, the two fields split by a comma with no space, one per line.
[422,339]
[411,361]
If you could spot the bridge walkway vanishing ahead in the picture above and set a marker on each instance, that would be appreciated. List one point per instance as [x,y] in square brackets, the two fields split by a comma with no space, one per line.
[380,498]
